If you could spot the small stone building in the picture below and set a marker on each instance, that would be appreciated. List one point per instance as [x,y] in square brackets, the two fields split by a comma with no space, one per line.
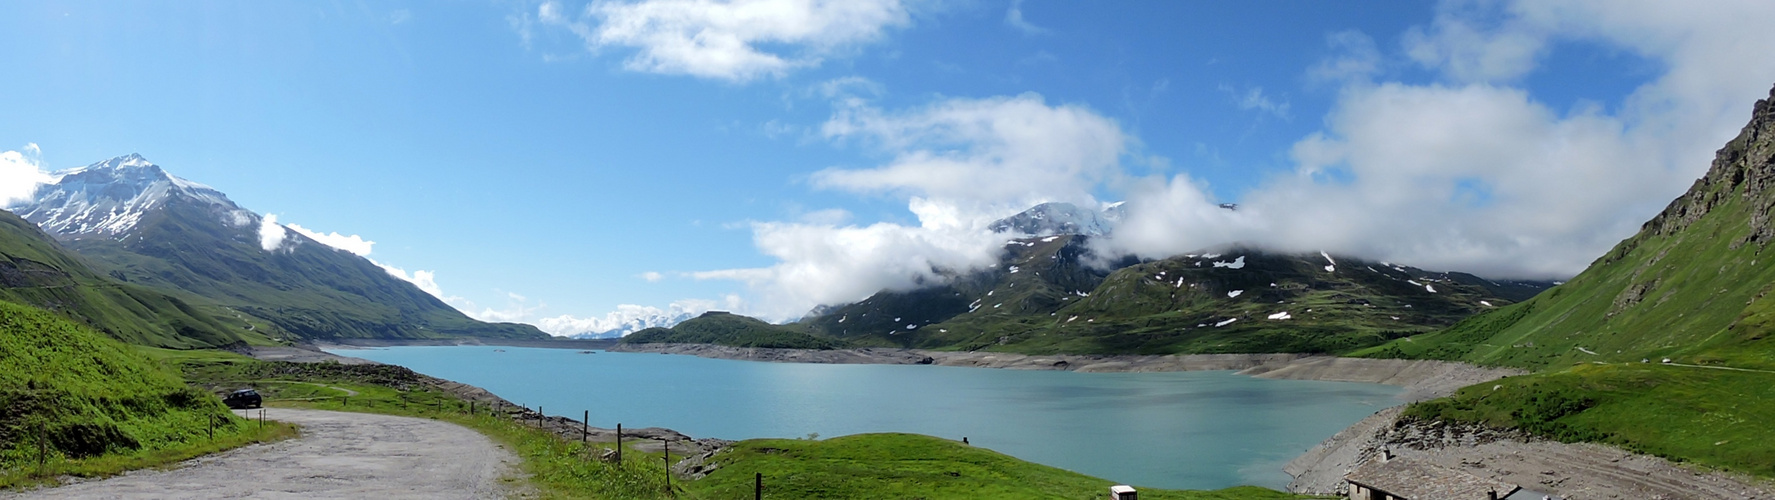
[1386,478]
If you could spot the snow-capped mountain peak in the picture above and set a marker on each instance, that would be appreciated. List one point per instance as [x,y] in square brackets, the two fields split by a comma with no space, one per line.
[633,319]
[110,197]
[1049,219]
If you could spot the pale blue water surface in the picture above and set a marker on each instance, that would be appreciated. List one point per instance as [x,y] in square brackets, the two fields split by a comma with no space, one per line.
[1195,430]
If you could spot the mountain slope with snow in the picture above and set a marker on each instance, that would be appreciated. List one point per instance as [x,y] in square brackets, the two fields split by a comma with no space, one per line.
[36,270]
[142,225]
[1050,219]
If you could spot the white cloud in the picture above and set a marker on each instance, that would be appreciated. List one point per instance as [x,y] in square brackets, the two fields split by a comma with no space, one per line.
[1465,51]
[830,216]
[735,40]
[1356,58]
[427,281]
[652,276]
[1482,177]
[826,264]
[20,174]
[985,157]
[1014,18]
[354,243]
[959,163]
[1253,99]
[271,234]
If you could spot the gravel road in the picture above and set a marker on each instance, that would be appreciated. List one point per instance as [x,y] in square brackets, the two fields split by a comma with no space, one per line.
[340,455]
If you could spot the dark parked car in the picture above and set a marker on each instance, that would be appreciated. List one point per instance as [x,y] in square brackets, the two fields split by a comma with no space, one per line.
[244,398]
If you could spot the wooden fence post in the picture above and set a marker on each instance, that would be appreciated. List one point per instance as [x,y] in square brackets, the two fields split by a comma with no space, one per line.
[758,486]
[585,428]
[619,443]
[42,448]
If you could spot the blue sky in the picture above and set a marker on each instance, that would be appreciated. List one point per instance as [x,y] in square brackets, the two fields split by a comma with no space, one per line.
[549,162]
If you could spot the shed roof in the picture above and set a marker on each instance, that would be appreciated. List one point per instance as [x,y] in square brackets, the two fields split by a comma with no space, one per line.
[1419,480]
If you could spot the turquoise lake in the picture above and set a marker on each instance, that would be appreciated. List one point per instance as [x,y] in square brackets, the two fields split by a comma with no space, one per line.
[1194,430]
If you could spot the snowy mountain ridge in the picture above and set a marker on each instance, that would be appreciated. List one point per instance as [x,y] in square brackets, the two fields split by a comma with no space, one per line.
[632,324]
[110,197]
[1056,218]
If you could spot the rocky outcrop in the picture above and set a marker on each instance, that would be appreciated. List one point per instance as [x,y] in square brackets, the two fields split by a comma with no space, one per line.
[1743,167]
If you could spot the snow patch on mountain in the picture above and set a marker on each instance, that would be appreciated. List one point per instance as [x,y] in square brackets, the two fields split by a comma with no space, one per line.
[1238,263]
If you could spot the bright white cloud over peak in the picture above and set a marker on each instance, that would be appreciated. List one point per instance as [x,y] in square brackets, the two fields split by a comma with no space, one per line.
[736,40]
[960,164]
[998,155]
[827,264]
[20,173]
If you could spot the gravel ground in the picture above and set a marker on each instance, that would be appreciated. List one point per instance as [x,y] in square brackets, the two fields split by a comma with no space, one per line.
[340,455]
[1575,471]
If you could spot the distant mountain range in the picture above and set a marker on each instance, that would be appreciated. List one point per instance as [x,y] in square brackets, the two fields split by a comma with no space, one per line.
[1043,297]
[658,319]
[137,224]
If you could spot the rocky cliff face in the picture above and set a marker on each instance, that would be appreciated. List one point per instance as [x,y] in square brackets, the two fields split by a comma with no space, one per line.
[1743,168]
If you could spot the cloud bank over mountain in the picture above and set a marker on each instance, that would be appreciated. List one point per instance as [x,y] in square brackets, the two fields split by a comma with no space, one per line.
[1467,172]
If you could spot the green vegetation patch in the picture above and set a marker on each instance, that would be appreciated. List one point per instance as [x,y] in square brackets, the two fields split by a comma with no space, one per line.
[734,330]
[895,466]
[1718,418]
[78,403]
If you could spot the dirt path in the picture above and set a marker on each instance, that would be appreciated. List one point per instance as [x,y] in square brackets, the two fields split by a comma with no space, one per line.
[340,455]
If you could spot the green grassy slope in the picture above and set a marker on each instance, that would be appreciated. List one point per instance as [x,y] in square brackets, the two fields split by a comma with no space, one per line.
[37,271]
[891,466]
[727,329]
[306,289]
[89,395]
[1691,287]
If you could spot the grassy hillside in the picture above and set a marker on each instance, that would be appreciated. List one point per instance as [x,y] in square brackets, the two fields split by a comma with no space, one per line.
[304,288]
[37,271]
[1664,345]
[722,328]
[1718,418]
[890,466]
[94,404]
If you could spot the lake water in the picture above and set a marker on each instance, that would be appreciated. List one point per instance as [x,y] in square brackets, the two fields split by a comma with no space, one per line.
[1196,430]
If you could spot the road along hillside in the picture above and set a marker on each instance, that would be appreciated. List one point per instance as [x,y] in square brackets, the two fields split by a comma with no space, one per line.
[339,455]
